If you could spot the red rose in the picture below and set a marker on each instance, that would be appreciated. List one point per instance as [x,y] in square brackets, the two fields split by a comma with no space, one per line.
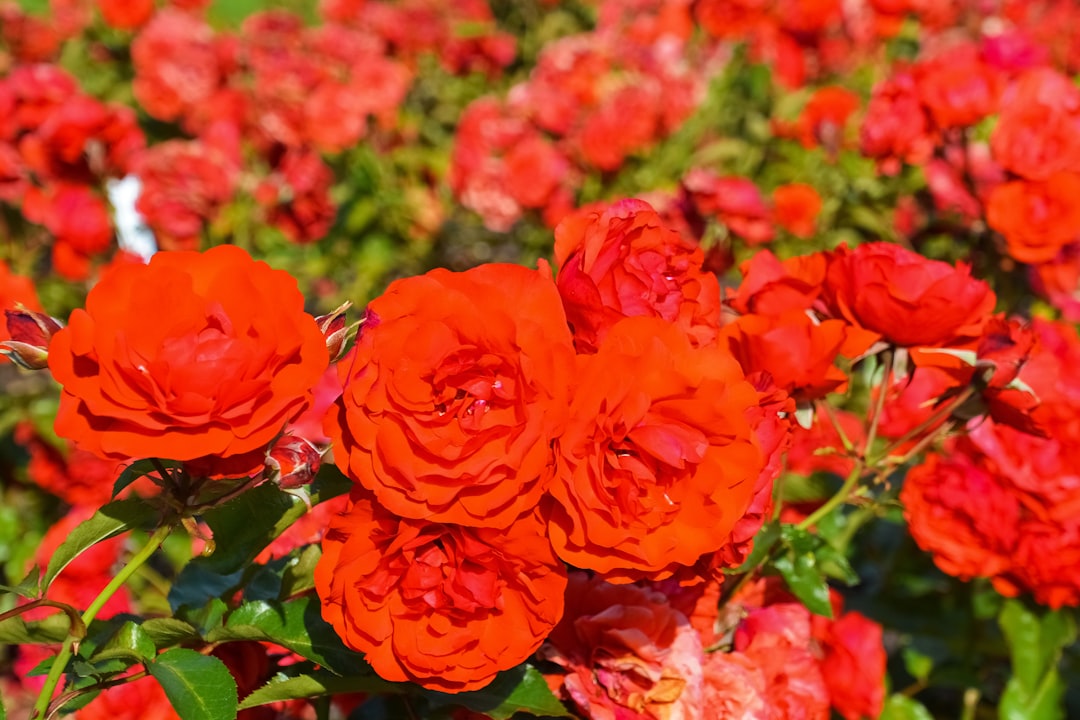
[456,389]
[735,201]
[177,64]
[444,606]
[622,261]
[963,515]
[796,351]
[185,183]
[958,88]
[853,664]
[1038,131]
[1036,217]
[659,460]
[796,207]
[126,14]
[193,356]
[904,297]
[771,287]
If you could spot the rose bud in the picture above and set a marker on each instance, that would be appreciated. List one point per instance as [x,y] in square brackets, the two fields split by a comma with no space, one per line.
[293,462]
[30,333]
[335,331]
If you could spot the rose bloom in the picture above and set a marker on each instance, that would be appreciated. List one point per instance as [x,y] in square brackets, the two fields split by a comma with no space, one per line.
[734,688]
[627,654]
[659,460]
[771,286]
[795,350]
[735,201]
[623,261]
[777,639]
[796,207]
[853,661]
[958,88]
[444,606]
[896,127]
[75,476]
[1037,218]
[191,357]
[1038,131]
[456,389]
[964,516]
[823,119]
[905,298]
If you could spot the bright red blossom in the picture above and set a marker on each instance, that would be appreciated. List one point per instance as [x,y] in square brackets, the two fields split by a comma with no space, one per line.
[904,297]
[456,389]
[444,606]
[659,461]
[622,261]
[229,358]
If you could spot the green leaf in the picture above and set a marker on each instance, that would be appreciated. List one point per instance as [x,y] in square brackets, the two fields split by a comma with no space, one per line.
[207,617]
[252,520]
[130,642]
[169,631]
[198,686]
[1045,703]
[317,684]
[800,570]
[198,584]
[834,563]
[248,521]
[1035,691]
[804,579]
[17,631]
[763,544]
[299,576]
[1023,632]
[140,469]
[297,625]
[30,587]
[522,689]
[111,520]
[899,707]
[918,665]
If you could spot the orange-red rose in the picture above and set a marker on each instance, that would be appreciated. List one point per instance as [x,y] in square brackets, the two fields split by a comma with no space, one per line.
[622,261]
[905,298]
[444,606]
[659,460]
[456,390]
[1036,217]
[796,351]
[191,357]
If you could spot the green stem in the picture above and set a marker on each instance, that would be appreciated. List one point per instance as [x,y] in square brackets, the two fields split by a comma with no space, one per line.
[41,707]
[836,500]
[879,406]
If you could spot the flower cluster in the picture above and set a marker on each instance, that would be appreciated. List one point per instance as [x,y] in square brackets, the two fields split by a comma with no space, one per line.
[58,146]
[999,504]
[482,444]
[591,101]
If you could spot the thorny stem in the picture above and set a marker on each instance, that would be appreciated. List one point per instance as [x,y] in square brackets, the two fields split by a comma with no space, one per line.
[930,422]
[75,628]
[41,707]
